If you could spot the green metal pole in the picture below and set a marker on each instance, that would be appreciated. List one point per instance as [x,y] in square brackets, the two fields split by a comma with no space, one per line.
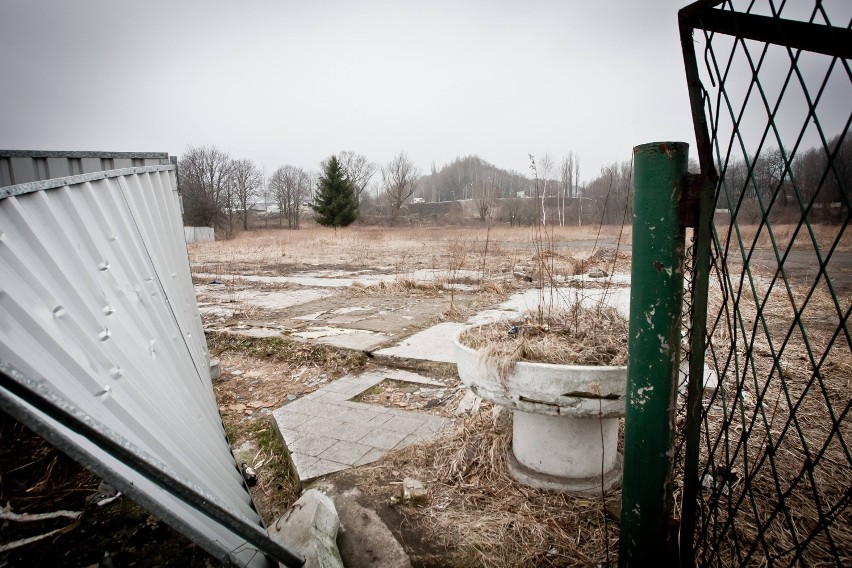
[656,300]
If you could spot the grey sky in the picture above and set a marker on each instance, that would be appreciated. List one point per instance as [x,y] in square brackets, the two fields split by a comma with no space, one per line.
[292,82]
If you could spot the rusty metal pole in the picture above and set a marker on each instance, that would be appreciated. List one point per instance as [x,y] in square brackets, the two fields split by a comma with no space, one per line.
[656,301]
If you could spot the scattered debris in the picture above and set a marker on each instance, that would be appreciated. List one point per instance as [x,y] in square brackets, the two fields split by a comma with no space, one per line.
[413,491]
[249,475]
[469,404]
[108,500]
[6,514]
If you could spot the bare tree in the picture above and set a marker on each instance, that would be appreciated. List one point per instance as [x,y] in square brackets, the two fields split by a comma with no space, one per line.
[546,169]
[204,176]
[484,194]
[247,182]
[290,185]
[566,192]
[358,169]
[399,177]
[278,192]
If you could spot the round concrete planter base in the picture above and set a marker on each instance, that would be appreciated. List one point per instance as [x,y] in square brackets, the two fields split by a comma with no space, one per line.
[565,419]
[576,485]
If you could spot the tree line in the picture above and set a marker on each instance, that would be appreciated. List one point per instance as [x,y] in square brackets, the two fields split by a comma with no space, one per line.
[218,190]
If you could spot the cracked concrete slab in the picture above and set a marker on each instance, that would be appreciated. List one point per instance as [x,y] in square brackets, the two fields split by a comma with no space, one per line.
[432,344]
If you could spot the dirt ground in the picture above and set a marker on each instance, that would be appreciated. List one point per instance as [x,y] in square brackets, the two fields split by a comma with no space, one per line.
[414,277]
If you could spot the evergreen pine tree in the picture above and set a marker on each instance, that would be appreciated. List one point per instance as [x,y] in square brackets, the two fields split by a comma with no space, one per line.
[335,204]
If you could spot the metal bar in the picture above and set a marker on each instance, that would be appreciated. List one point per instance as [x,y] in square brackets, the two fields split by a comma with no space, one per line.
[700,280]
[695,388]
[696,101]
[40,398]
[824,39]
[656,301]
[24,188]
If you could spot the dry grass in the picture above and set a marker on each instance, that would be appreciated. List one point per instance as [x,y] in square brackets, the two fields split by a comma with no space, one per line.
[778,472]
[580,336]
[284,351]
[484,518]
[277,251]
[825,235]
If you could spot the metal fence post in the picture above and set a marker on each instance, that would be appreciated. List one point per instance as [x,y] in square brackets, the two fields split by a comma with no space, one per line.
[652,371]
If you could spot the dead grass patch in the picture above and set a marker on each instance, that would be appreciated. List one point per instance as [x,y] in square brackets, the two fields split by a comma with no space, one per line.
[279,251]
[771,435]
[332,360]
[484,518]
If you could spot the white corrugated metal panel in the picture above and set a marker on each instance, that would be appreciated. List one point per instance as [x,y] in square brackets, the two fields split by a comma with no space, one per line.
[25,166]
[97,306]
[199,234]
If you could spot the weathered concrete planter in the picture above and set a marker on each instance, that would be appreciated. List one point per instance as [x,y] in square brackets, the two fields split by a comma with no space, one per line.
[561,413]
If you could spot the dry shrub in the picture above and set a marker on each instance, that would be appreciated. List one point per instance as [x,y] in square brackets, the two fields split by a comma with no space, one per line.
[484,518]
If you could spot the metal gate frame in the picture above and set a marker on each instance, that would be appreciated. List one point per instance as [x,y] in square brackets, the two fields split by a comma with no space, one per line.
[709,257]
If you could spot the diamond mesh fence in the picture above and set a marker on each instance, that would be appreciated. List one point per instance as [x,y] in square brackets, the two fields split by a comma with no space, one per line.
[771,480]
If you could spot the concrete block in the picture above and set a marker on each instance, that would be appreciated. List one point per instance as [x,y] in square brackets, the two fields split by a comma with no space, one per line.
[215,369]
[364,540]
[309,527]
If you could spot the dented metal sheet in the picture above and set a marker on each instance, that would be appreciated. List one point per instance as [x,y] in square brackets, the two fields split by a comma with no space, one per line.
[97,311]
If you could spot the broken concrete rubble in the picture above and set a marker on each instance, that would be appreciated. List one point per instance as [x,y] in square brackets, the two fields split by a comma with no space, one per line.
[309,527]
[364,539]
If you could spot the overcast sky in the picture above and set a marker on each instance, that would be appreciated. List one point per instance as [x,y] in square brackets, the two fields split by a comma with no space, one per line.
[292,82]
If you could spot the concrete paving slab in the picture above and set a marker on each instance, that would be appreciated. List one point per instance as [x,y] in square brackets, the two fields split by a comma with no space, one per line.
[373,455]
[358,339]
[354,432]
[383,439]
[403,424]
[325,432]
[311,445]
[433,344]
[319,468]
[272,300]
[436,343]
[289,419]
[324,425]
[345,452]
